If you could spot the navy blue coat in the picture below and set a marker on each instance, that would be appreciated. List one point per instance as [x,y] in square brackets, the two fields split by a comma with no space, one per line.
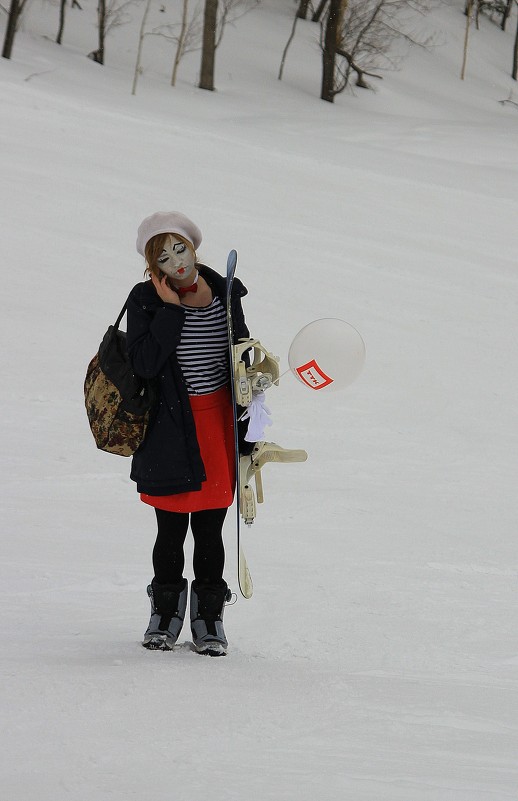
[168,461]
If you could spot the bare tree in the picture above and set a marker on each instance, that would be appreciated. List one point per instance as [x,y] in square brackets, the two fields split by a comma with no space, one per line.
[514,72]
[181,41]
[490,8]
[332,41]
[213,27]
[110,14]
[208,54]
[285,51]
[507,13]
[469,16]
[10,32]
[302,11]
[330,44]
[188,34]
[62,10]
[217,14]
[319,11]
[139,48]
[363,40]
[102,24]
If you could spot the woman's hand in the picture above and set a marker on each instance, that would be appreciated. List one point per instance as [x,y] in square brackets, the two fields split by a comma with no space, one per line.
[164,291]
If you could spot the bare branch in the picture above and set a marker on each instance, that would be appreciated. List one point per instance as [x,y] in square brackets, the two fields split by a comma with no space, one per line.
[358,70]
[509,100]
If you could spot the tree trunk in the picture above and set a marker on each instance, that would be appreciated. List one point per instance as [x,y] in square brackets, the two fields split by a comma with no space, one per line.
[142,33]
[319,11]
[507,13]
[62,9]
[515,55]
[11,29]
[285,52]
[181,42]
[101,16]
[208,53]
[329,51]
[469,12]
[302,13]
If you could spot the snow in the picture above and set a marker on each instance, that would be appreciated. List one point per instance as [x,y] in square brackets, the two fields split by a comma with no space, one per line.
[378,657]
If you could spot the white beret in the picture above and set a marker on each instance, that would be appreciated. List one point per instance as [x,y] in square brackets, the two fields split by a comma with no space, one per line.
[167,222]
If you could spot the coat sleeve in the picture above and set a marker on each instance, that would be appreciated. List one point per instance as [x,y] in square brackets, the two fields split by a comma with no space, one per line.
[240,331]
[153,334]
[239,326]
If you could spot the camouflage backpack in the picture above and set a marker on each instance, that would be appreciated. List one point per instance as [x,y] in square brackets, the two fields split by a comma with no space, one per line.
[117,401]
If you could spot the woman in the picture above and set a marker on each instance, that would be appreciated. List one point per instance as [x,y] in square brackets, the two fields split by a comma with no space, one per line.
[185,468]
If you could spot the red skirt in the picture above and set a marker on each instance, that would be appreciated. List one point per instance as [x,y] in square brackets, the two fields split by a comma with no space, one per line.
[215,432]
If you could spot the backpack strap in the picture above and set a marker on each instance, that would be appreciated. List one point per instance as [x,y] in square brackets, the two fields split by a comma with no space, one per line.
[113,329]
[121,315]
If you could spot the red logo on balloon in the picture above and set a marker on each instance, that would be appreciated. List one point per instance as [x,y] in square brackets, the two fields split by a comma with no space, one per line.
[313,375]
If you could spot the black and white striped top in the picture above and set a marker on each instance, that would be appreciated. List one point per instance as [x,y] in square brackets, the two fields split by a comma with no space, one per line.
[203,350]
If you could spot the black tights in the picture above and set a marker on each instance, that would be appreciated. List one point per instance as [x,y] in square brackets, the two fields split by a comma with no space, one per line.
[209,552]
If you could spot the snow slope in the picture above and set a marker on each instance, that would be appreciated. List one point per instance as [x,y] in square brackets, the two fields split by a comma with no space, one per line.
[378,658]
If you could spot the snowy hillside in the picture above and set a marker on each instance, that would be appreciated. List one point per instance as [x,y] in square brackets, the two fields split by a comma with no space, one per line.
[378,657]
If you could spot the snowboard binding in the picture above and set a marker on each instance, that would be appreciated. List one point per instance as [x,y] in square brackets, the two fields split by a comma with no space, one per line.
[259,376]
[250,468]
[251,382]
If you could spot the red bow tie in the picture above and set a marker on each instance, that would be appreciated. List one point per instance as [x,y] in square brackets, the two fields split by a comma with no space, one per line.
[182,290]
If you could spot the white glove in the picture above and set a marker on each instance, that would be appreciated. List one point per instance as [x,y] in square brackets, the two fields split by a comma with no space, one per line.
[259,416]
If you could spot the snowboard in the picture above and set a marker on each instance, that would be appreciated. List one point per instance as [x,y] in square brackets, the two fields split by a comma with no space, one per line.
[243,573]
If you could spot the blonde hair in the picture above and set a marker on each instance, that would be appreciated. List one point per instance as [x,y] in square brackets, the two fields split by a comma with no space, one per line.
[154,248]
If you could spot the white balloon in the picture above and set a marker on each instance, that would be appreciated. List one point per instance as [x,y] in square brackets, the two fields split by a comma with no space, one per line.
[327,354]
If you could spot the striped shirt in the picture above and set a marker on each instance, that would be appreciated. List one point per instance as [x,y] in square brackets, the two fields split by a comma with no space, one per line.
[203,350]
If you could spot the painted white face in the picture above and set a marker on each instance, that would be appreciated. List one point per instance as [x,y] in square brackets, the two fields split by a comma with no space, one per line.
[176,259]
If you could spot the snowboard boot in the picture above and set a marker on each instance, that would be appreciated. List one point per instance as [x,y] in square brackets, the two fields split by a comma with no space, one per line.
[168,605]
[207,605]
